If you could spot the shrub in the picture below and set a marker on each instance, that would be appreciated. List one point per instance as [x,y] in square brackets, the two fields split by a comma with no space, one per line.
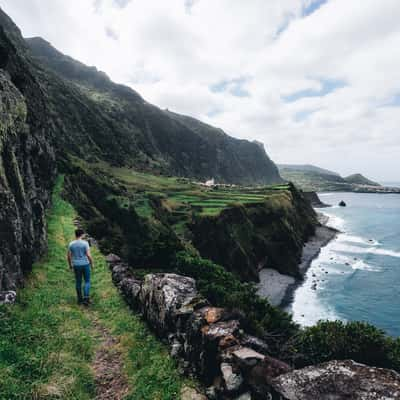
[337,340]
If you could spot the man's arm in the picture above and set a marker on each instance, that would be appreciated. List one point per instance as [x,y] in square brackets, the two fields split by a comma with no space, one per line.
[90,258]
[69,258]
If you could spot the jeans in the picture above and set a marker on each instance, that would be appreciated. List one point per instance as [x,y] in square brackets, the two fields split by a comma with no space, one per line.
[85,271]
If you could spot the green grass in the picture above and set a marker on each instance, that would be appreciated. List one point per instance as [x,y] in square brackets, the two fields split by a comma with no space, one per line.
[47,342]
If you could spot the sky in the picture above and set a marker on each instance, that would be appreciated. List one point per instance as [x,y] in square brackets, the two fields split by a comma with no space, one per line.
[317,81]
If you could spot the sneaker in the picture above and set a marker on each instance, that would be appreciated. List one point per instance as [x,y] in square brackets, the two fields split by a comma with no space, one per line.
[86,301]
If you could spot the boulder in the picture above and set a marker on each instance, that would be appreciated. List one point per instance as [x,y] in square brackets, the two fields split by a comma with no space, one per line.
[232,377]
[247,357]
[338,380]
[113,258]
[8,297]
[167,300]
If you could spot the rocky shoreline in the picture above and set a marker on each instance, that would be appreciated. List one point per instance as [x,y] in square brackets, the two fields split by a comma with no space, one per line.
[278,288]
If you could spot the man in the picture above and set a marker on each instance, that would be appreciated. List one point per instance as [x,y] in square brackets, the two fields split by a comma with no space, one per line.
[80,260]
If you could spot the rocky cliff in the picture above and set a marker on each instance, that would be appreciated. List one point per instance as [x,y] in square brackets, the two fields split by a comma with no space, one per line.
[27,161]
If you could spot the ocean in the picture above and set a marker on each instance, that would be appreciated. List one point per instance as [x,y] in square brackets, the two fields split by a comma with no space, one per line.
[357,275]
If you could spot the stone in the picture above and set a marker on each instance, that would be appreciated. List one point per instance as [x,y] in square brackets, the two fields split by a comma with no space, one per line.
[213,314]
[188,393]
[247,357]
[255,343]
[8,297]
[211,393]
[221,329]
[113,258]
[167,300]
[232,379]
[339,380]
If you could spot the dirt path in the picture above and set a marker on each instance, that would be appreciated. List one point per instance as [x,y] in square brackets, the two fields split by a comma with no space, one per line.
[110,380]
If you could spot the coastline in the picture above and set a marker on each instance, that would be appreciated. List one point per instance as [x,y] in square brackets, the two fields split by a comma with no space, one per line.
[278,288]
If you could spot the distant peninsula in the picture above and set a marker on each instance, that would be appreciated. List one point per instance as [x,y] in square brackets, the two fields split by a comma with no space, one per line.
[311,178]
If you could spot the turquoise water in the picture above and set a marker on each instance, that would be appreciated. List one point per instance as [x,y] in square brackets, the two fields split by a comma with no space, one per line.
[356,276]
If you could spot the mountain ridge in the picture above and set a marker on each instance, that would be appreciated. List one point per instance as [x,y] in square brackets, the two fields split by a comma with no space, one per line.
[163,141]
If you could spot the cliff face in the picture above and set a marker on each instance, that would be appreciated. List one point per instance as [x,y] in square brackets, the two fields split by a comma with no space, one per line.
[27,163]
[247,238]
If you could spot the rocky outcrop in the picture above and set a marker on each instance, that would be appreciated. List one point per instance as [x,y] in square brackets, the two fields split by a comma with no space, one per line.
[314,199]
[339,380]
[209,343]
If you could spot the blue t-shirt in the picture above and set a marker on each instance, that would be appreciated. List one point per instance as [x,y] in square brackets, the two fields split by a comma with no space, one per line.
[78,249]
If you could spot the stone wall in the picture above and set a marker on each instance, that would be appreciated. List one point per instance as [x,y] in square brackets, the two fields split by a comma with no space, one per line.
[208,343]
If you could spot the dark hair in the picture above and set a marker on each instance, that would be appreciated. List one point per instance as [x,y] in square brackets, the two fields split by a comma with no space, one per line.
[79,232]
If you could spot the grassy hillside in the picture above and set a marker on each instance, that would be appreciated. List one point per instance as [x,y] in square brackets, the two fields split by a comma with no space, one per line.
[49,346]
[360,180]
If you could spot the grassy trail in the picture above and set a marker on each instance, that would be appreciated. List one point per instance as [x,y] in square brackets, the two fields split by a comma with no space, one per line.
[51,348]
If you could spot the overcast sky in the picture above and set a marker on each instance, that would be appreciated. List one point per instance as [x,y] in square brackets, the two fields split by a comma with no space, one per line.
[315,81]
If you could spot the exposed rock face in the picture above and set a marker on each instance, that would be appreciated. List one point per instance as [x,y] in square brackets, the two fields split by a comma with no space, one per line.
[339,380]
[26,174]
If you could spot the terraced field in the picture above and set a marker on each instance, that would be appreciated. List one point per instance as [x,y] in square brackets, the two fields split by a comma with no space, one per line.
[181,198]
[181,193]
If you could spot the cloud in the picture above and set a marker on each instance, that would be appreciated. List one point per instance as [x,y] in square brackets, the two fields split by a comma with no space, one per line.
[111,33]
[313,80]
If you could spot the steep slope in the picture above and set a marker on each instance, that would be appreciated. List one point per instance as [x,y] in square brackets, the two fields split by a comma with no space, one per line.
[145,136]
[360,180]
